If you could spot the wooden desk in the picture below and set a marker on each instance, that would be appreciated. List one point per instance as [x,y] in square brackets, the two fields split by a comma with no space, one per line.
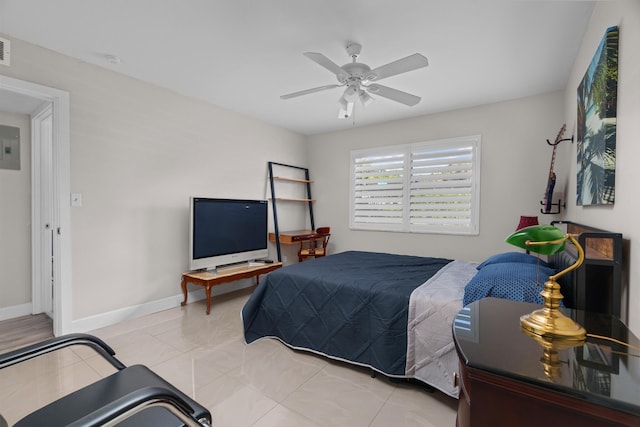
[293,237]
[209,279]
[506,381]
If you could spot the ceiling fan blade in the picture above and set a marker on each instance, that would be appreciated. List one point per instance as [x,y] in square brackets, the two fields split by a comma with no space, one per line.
[325,62]
[410,63]
[394,94]
[307,91]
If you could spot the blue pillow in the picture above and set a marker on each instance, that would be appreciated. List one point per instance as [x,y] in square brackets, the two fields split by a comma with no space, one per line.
[509,257]
[513,281]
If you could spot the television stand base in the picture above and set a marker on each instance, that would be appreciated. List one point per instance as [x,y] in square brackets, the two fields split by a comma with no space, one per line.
[226,274]
[227,268]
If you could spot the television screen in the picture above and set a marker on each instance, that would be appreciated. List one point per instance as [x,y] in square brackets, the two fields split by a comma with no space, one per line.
[225,231]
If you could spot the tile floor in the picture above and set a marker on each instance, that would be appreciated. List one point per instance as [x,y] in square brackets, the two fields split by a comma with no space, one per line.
[262,384]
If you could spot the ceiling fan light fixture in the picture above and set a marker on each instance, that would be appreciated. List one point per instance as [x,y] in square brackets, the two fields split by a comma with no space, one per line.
[346,108]
[365,98]
[350,93]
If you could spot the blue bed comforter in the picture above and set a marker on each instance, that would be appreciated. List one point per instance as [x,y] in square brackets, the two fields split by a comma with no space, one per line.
[351,306]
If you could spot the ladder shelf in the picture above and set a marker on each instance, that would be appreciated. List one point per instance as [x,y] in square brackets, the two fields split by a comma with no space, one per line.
[309,200]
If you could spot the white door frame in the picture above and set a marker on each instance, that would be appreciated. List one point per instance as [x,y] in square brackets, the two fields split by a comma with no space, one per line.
[61,165]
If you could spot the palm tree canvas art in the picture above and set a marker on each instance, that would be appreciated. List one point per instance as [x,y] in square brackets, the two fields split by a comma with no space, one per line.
[596,129]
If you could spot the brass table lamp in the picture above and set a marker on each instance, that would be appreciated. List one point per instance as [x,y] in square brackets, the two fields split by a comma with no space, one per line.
[549,322]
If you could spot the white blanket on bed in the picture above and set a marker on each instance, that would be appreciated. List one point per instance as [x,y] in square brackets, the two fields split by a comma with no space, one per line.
[431,355]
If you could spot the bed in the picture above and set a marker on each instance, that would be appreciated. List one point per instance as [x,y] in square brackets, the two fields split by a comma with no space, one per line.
[391,313]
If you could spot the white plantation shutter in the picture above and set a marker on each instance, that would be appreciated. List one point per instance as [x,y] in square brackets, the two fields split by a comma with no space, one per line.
[430,187]
[442,189]
[378,187]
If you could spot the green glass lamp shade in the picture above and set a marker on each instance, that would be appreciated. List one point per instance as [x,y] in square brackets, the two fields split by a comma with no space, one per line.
[552,239]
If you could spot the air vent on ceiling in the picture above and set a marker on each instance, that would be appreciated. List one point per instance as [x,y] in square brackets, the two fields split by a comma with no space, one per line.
[5,52]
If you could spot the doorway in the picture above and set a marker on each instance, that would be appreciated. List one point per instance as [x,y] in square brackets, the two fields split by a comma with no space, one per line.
[52,119]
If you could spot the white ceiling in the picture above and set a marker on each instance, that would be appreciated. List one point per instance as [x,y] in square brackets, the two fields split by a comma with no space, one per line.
[244,54]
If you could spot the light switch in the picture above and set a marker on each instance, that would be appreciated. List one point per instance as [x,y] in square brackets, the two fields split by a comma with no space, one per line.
[76,199]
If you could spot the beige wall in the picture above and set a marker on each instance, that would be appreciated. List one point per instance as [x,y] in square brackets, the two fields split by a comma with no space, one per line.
[138,152]
[514,169]
[15,220]
[623,216]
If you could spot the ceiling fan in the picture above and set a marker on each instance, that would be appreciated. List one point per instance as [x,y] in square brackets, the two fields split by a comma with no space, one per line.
[360,79]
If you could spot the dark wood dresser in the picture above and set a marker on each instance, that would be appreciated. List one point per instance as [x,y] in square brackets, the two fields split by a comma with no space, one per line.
[507,379]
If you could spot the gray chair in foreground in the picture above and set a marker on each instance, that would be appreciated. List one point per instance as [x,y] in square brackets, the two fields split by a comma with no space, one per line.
[132,396]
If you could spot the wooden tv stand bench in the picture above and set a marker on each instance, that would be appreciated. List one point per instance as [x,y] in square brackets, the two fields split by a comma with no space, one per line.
[208,279]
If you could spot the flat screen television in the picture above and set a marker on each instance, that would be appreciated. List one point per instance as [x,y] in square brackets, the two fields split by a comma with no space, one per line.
[226,231]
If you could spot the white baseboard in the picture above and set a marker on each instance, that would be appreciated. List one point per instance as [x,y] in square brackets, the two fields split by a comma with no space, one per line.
[102,320]
[15,311]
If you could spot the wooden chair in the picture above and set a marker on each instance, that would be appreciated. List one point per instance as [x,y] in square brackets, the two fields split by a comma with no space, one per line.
[316,246]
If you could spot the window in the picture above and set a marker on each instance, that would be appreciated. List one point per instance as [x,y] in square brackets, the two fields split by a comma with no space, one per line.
[426,187]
